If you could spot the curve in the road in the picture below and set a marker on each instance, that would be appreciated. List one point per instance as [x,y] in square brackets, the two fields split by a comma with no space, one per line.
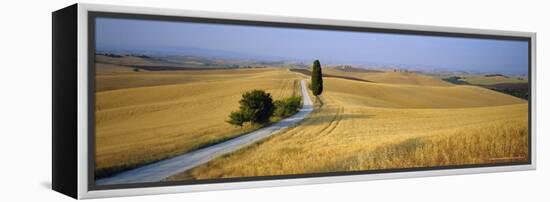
[160,170]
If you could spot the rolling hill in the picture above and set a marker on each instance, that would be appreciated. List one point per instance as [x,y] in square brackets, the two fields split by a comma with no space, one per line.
[369,126]
[364,120]
[142,117]
[390,77]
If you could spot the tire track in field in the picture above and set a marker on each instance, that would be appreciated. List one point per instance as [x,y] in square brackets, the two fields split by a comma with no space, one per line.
[334,122]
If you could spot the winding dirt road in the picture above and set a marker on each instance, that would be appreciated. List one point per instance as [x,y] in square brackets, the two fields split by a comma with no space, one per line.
[160,170]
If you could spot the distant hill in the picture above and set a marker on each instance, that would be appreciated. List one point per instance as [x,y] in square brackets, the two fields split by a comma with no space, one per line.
[308,73]
[349,68]
[496,75]
[186,62]
[390,77]
[515,86]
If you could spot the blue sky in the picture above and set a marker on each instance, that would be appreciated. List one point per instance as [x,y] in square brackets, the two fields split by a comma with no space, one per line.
[336,47]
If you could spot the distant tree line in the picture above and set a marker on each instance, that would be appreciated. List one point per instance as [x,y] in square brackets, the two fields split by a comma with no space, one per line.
[455,80]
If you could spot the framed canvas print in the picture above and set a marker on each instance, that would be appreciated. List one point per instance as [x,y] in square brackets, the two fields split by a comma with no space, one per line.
[150,101]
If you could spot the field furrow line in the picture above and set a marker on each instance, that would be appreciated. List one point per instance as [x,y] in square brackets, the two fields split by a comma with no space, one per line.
[336,121]
[332,124]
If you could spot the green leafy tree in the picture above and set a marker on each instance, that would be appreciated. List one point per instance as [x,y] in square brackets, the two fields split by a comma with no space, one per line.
[287,107]
[316,78]
[236,118]
[256,106]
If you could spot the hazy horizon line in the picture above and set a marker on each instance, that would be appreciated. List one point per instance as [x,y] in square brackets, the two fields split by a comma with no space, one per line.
[355,64]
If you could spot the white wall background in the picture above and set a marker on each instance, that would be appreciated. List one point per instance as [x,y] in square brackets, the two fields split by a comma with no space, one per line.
[25,88]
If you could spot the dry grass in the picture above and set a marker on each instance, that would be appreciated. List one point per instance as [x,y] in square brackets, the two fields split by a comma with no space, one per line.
[113,77]
[365,126]
[353,93]
[168,113]
[391,77]
[504,141]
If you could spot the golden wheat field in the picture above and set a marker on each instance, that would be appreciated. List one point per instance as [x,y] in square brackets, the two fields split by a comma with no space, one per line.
[366,125]
[146,116]
[390,77]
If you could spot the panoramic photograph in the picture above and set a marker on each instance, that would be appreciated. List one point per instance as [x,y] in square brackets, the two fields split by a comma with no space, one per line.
[190,101]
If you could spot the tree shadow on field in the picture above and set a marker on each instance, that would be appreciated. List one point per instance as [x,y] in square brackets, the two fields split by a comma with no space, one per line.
[327,119]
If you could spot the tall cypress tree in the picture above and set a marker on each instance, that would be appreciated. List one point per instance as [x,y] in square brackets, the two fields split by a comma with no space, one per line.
[316,78]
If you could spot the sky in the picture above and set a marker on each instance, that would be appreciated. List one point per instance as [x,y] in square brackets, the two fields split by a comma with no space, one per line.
[329,46]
